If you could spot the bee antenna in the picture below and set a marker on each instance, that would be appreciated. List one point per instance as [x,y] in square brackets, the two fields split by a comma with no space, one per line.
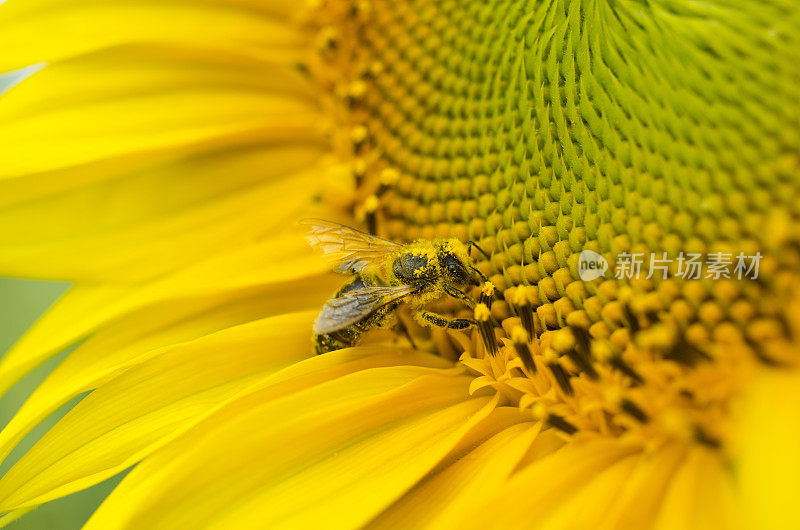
[480,274]
[474,244]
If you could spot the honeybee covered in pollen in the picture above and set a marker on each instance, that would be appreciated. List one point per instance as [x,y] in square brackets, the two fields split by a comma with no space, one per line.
[385,274]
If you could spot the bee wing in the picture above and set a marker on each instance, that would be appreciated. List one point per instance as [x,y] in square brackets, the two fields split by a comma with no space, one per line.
[353,306]
[352,248]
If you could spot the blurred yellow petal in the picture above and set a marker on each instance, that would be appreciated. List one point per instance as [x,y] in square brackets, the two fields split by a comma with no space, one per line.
[185,236]
[138,69]
[586,506]
[72,27]
[136,337]
[185,176]
[639,498]
[272,261]
[13,516]
[768,476]
[367,436]
[150,101]
[702,496]
[142,408]
[522,500]
[36,347]
[439,501]
[128,417]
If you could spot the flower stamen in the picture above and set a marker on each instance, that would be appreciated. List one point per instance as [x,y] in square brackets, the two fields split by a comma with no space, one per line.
[519,338]
[483,317]
[541,413]
[633,410]
[524,300]
[551,359]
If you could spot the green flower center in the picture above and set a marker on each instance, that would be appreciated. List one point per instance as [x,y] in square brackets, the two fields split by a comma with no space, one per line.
[543,129]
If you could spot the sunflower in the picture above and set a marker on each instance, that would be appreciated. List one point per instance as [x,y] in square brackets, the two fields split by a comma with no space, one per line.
[158,155]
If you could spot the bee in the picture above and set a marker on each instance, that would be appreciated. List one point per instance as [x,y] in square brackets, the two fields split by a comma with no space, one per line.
[384,275]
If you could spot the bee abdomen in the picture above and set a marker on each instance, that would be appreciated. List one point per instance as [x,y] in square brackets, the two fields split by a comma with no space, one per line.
[347,337]
[327,343]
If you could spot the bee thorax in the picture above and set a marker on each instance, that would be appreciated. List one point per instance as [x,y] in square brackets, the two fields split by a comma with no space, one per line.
[410,266]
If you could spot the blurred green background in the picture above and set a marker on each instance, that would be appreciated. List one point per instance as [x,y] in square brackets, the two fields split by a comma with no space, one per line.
[21,304]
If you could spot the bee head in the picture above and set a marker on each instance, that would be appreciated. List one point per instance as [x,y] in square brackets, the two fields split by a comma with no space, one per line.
[456,264]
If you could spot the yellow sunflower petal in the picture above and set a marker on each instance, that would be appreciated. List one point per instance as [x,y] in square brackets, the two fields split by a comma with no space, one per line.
[589,502]
[769,432]
[73,27]
[83,308]
[97,230]
[439,501]
[139,410]
[701,496]
[626,495]
[523,501]
[185,237]
[35,347]
[13,516]
[140,68]
[147,100]
[347,449]
[139,336]
[638,498]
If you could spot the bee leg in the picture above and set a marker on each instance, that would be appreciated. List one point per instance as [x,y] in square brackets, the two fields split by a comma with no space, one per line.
[458,295]
[444,322]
